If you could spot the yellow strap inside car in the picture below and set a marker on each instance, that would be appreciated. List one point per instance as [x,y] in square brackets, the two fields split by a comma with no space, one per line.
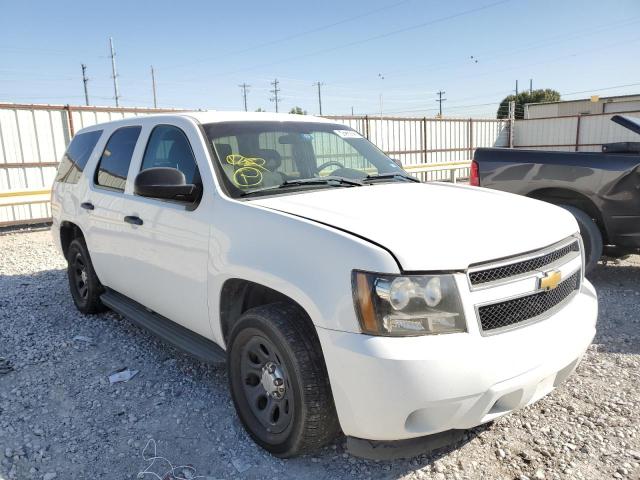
[247,170]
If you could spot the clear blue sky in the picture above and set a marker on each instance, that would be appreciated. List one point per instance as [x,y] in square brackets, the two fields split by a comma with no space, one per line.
[202,50]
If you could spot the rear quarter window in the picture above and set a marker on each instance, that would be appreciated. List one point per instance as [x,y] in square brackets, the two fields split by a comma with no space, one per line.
[113,166]
[76,157]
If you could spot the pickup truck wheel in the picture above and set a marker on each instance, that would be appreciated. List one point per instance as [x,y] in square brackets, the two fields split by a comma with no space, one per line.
[591,236]
[279,382]
[83,281]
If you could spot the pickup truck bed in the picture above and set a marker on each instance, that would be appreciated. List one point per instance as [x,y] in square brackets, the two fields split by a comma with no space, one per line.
[604,185]
[607,186]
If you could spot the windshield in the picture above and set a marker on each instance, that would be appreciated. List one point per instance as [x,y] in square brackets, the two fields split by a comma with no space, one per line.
[265,157]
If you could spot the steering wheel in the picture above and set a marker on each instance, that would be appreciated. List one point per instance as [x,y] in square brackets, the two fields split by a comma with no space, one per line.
[331,162]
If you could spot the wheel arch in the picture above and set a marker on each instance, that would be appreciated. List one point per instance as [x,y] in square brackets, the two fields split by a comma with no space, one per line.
[567,196]
[68,232]
[238,295]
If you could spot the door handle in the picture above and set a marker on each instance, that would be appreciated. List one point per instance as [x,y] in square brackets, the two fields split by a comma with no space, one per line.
[133,220]
[87,205]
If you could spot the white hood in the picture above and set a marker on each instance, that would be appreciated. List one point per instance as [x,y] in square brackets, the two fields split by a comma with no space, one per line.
[434,226]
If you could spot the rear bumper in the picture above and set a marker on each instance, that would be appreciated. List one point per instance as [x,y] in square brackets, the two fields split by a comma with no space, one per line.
[399,388]
[624,231]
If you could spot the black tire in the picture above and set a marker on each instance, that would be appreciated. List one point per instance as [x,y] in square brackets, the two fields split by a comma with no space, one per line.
[591,237]
[306,418]
[85,287]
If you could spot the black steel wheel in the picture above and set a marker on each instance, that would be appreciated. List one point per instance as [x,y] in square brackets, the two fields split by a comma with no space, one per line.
[83,282]
[80,276]
[278,380]
[266,384]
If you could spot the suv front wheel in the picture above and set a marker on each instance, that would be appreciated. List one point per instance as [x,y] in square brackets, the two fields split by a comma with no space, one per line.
[279,382]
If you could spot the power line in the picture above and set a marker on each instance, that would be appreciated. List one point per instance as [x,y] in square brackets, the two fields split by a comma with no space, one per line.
[518,107]
[244,88]
[531,46]
[114,73]
[275,92]
[85,80]
[544,62]
[375,37]
[295,35]
[501,53]
[319,84]
[605,88]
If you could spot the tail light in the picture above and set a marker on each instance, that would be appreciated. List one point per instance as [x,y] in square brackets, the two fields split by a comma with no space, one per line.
[474,177]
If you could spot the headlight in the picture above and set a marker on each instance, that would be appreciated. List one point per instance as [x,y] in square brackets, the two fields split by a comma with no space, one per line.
[407,305]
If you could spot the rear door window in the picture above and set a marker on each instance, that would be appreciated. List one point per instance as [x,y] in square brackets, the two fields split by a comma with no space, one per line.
[77,156]
[114,163]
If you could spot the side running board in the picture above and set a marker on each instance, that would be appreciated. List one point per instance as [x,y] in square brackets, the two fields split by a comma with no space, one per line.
[179,336]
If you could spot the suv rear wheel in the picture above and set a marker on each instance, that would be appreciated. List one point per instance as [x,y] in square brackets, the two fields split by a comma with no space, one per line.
[83,281]
[279,382]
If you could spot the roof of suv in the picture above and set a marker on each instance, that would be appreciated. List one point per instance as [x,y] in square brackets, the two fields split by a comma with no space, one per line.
[215,116]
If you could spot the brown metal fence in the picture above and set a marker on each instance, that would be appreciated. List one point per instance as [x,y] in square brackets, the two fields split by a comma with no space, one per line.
[437,149]
[33,139]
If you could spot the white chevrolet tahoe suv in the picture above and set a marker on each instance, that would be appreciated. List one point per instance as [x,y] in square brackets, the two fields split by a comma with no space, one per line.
[344,294]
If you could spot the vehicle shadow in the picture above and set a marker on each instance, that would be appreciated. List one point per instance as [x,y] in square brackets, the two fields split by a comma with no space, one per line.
[618,288]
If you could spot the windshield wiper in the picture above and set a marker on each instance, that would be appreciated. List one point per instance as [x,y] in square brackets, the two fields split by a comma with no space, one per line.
[328,180]
[384,176]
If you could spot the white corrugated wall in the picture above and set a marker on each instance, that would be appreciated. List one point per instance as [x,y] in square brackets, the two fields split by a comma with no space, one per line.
[33,139]
[585,133]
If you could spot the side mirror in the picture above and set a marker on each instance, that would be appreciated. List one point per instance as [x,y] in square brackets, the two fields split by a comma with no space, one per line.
[166,183]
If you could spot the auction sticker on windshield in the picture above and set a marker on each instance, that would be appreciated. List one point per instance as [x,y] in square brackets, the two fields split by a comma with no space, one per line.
[347,134]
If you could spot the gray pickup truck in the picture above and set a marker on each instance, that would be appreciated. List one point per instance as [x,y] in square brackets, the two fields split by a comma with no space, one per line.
[601,189]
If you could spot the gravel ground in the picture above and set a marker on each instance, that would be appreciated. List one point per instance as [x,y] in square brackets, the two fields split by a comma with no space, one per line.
[60,417]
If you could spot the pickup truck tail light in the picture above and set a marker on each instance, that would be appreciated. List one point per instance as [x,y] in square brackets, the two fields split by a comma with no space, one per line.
[474,177]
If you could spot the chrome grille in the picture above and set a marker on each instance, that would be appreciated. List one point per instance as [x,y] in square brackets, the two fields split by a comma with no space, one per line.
[480,277]
[512,312]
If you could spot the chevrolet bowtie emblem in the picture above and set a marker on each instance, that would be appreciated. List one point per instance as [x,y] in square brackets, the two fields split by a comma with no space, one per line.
[549,280]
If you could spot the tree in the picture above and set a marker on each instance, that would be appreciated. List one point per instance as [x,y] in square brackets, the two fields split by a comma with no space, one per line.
[298,111]
[260,110]
[536,96]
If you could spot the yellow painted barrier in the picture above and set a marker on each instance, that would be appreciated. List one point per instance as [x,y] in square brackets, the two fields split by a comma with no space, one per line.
[24,193]
[436,165]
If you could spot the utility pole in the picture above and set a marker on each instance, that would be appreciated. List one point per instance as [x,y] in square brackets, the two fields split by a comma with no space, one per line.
[275,92]
[530,86]
[352,111]
[512,118]
[153,85]
[440,100]
[319,84]
[244,87]
[114,73]
[85,80]
[516,88]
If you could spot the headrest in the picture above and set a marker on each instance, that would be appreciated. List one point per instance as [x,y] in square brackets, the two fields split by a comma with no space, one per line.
[272,158]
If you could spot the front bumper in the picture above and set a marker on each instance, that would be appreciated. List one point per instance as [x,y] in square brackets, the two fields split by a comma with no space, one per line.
[398,388]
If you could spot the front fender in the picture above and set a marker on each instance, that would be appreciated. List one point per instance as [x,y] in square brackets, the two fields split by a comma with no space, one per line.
[309,262]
